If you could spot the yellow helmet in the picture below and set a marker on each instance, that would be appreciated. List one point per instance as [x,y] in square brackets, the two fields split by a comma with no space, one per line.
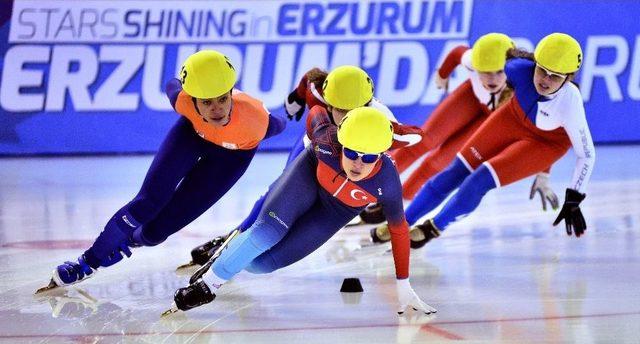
[365,130]
[207,74]
[347,87]
[489,52]
[559,52]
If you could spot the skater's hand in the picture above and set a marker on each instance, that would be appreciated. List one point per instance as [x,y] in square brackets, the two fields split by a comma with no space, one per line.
[571,213]
[541,186]
[442,83]
[407,297]
[294,106]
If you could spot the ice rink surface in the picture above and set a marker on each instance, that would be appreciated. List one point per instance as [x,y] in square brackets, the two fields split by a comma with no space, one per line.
[503,274]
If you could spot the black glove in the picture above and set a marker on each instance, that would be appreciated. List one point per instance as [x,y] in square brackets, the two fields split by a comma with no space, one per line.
[294,106]
[571,213]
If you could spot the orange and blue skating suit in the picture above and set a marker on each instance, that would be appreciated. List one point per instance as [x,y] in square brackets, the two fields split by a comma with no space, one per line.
[310,202]
[194,167]
[247,125]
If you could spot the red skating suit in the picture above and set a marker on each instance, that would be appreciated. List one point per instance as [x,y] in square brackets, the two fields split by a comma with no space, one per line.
[449,125]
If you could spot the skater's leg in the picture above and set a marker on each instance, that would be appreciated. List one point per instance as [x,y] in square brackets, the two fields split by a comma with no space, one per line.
[202,253]
[177,155]
[483,145]
[450,116]
[436,190]
[467,198]
[253,215]
[439,158]
[277,216]
[307,234]
[217,171]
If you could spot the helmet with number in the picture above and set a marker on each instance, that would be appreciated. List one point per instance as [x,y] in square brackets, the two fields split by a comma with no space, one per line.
[207,74]
[489,53]
[347,87]
[559,52]
[365,130]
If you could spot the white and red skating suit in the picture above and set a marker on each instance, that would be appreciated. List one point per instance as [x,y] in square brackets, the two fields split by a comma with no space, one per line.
[533,131]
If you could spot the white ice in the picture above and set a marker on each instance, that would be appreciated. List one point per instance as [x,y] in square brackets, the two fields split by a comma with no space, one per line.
[503,274]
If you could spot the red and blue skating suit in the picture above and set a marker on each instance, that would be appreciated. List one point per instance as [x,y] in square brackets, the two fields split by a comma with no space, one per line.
[404,135]
[310,202]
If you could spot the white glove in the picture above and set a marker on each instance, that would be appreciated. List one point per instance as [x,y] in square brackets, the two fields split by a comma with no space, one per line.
[408,297]
[442,83]
[541,185]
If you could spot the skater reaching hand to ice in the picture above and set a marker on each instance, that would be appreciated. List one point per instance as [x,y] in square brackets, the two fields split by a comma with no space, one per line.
[202,157]
[343,170]
[343,89]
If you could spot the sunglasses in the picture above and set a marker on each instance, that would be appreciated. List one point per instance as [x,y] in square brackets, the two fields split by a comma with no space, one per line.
[353,155]
[557,77]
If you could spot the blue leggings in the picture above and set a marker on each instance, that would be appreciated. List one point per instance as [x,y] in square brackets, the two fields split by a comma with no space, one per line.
[472,188]
[187,176]
[255,211]
[287,231]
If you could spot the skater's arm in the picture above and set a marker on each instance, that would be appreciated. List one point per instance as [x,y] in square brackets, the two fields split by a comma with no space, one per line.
[400,247]
[276,125]
[452,61]
[378,105]
[575,124]
[405,135]
[317,120]
[172,89]
[398,226]
[295,103]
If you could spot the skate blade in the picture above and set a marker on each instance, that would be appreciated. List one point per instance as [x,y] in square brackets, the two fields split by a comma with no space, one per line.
[186,266]
[169,311]
[50,286]
[355,224]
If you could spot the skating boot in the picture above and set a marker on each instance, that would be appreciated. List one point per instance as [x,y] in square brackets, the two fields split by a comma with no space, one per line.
[201,254]
[380,234]
[422,234]
[373,214]
[193,295]
[69,273]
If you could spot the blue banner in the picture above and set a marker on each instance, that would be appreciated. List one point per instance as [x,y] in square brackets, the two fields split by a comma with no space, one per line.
[88,77]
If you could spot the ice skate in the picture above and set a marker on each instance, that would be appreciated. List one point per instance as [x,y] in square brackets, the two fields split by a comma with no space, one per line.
[184,298]
[201,254]
[422,234]
[69,273]
[189,297]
